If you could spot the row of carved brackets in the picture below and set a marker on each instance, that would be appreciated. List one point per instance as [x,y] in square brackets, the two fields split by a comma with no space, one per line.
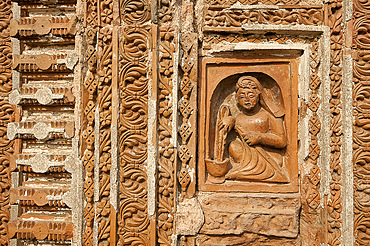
[44,95]
[27,26]
[29,196]
[40,130]
[41,163]
[63,62]
[40,229]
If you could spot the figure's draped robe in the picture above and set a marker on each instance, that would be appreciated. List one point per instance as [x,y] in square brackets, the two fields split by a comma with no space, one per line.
[258,162]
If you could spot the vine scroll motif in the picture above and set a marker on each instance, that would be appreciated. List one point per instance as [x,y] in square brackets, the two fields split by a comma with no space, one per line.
[167,152]
[236,18]
[6,116]
[335,202]
[166,167]
[255,2]
[104,100]
[361,139]
[134,47]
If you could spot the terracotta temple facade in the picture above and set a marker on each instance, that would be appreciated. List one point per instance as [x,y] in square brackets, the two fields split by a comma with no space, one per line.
[184,122]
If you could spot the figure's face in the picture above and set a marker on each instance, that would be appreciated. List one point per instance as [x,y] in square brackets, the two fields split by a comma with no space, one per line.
[247,98]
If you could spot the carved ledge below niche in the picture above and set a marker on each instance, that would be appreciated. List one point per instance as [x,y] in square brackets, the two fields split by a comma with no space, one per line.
[270,215]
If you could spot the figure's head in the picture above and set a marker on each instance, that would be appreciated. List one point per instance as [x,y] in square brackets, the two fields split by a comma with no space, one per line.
[248,92]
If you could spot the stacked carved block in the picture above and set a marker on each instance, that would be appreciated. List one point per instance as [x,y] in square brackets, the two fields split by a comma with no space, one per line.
[44,59]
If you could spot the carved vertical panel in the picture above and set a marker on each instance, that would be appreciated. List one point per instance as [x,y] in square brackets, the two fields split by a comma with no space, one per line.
[335,19]
[312,194]
[89,93]
[7,115]
[187,130]
[91,17]
[98,113]
[104,102]
[166,167]
[361,140]
[167,152]
[134,76]
[236,19]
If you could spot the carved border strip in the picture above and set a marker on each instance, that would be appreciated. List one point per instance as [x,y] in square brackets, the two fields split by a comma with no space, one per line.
[167,155]
[217,18]
[104,102]
[91,18]
[335,13]
[187,115]
[98,13]
[295,3]
[166,195]
[6,146]
[134,76]
[313,197]
[187,131]
[361,140]
[88,135]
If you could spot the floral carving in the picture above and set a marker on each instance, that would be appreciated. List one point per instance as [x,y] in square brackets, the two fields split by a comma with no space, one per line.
[133,84]
[335,200]
[135,11]
[238,18]
[254,2]
[90,86]
[361,92]
[104,103]
[166,168]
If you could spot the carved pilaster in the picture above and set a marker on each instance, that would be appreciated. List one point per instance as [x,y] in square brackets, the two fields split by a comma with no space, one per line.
[7,115]
[135,74]
[361,140]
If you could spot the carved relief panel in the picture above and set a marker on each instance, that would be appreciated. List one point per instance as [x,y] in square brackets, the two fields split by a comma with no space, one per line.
[248,125]
[207,122]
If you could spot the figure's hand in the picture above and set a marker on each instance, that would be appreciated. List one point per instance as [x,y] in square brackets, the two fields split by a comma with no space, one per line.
[226,123]
[252,138]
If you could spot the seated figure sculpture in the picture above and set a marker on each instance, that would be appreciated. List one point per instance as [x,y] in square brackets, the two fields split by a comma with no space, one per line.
[256,124]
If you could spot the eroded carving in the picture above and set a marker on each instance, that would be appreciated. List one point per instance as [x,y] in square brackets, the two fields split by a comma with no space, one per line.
[216,18]
[59,26]
[41,130]
[266,215]
[44,96]
[40,230]
[42,62]
[361,140]
[87,148]
[41,163]
[27,196]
